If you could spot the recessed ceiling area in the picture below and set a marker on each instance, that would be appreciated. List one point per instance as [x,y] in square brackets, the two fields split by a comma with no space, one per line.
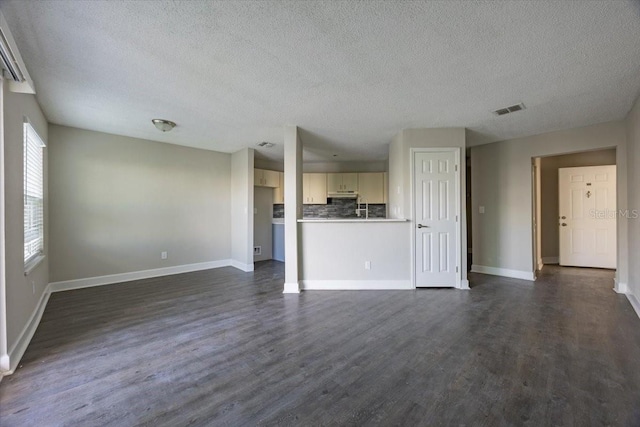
[350,74]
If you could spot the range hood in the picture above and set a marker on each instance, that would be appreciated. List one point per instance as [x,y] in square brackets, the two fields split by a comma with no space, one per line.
[343,195]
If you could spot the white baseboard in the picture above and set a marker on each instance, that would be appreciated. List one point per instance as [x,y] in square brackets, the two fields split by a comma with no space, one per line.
[634,302]
[20,346]
[551,260]
[620,287]
[5,365]
[464,285]
[247,268]
[88,282]
[354,285]
[496,271]
[291,288]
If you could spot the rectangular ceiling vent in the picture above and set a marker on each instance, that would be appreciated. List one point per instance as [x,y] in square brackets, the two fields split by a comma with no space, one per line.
[507,110]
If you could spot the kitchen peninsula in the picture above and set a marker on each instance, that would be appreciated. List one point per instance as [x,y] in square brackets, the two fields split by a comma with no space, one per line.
[355,254]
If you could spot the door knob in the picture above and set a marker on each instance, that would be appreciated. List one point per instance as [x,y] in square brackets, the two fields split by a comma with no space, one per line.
[422,226]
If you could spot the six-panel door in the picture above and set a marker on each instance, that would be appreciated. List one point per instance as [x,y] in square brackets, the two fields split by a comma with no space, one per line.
[436,240]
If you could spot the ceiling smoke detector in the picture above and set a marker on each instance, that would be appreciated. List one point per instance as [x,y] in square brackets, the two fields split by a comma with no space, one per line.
[511,109]
[266,144]
[163,125]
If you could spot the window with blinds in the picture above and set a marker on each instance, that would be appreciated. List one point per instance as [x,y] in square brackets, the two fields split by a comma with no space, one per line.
[33,194]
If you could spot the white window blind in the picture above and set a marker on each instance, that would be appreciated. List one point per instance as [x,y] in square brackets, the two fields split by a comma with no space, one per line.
[33,194]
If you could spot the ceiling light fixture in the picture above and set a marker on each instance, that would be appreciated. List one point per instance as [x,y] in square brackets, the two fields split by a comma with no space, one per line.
[265,144]
[163,125]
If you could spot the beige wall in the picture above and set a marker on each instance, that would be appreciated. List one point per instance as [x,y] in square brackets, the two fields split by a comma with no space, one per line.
[22,292]
[117,202]
[262,233]
[633,138]
[550,243]
[502,236]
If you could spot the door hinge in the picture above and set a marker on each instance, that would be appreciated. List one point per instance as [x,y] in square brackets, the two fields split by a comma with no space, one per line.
[456,218]
[456,269]
[456,168]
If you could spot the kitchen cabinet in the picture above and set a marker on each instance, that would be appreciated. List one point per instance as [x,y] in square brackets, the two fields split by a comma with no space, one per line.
[385,187]
[314,188]
[265,178]
[278,242]
[371,187]
[342,182]
[278,192]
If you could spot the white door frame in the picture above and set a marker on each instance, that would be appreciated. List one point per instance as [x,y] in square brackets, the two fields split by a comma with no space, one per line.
[458,175]
[5,365]
[536,221]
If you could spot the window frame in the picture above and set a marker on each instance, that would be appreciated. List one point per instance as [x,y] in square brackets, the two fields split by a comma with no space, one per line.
[33,194]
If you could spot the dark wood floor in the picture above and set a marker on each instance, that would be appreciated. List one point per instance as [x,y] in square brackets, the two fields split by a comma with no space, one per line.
[222,347]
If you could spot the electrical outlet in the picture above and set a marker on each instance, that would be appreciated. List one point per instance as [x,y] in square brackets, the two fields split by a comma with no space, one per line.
[257,250]
[367,265]
[164,255]
[481,209]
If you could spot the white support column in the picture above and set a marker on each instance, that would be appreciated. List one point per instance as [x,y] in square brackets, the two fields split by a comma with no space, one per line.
[242,209]
[292,207]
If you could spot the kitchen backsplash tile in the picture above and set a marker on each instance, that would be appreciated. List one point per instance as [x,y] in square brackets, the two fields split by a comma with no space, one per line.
[335,208]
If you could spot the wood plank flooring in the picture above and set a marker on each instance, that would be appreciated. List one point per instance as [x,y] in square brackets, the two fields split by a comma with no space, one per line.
[223,347]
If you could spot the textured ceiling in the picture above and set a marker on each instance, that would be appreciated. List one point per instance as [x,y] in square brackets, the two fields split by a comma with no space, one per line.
[351,74]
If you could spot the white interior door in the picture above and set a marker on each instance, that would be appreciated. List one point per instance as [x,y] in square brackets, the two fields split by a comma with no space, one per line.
[436,237]
[588,216]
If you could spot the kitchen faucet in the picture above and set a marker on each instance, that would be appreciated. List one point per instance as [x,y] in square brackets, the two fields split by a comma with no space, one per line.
[359,209]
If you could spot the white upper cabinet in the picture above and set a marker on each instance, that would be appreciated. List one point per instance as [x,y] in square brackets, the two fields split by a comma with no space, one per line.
[371,187]
[342,182]
[265,178]
[314,188]
[278,192]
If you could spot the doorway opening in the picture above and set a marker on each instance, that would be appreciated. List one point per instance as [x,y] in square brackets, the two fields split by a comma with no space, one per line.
[582,235]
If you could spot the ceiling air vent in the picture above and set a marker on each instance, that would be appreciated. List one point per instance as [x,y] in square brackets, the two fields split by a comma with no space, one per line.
[266,144]
[507,110]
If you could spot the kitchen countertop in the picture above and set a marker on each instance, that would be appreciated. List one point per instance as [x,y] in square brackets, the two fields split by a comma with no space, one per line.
[352,220]
[281,220]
